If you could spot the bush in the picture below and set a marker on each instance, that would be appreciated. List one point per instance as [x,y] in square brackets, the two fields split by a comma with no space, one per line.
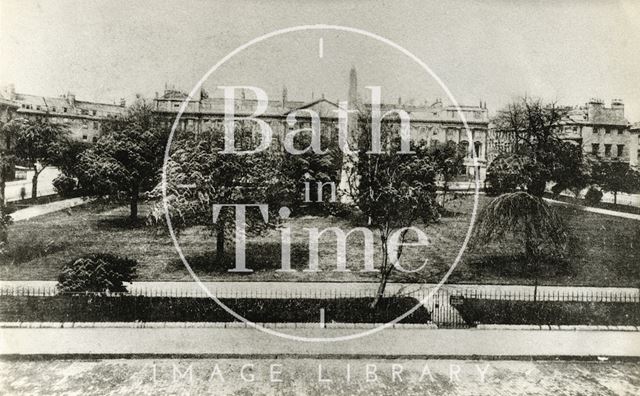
[593,196]
[65,186]
[97,273]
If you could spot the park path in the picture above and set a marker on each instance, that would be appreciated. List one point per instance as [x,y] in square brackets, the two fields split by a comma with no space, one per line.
[608,212]
[39,210]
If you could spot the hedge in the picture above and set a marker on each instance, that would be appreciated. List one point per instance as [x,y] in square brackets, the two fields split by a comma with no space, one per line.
[482,311]
[92,308]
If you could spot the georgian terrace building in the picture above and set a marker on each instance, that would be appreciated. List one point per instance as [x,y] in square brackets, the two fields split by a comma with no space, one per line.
[82,118]
[434,122]
[603,131]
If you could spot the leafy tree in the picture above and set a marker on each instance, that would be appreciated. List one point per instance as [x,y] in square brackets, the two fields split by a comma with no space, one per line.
[124,162]
[447,160]
[70,166]
[392,190]
[37,142]
[313,168]
[533,127]
[97,273]
[616,177]
[199,176]
[527,218]
[571,170]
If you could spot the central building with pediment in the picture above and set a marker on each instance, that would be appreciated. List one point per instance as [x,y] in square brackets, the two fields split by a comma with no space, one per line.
[434,123]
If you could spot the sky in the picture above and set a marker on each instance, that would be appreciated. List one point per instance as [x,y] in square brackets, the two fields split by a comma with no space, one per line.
[484,50]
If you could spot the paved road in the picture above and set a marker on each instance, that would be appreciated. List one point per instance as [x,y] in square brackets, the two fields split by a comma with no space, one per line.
[317,377]
[251,342]
[39,210]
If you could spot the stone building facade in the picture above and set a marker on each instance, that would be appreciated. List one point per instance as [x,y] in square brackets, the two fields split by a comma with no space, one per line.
[434,122]
[82,118]
[602,131]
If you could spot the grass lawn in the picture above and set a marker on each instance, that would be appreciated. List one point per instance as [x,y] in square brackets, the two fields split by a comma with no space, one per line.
[606,250]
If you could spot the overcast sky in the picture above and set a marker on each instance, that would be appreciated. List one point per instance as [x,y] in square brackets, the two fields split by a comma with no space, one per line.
[491,50]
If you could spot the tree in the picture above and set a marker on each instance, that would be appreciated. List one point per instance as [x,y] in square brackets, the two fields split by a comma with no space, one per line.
[616,177]
[311,167]
[392,190]
[534,128]
[531,221]
[36,143]
[125,161]
[199,176]
[447,160]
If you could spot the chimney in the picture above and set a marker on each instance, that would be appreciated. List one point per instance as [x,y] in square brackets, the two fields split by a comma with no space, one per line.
[9,91]
[71,98]
[617,106]
[123,102]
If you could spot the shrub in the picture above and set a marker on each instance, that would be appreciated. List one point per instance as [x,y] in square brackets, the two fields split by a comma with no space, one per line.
[97,273]
[65,185]
[593,196]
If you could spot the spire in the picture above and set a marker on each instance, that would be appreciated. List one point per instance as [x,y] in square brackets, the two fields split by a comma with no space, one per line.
[284,97]
[353,88]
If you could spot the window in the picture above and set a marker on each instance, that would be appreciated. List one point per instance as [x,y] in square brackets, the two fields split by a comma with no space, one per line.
[95,125]
[595,130]
[84,123]
[95,112]
[607,131]
[94,139]
[607,150]
[595,147]
[84,137]
[478,148]
[64,109]
[620,150]
[53,109]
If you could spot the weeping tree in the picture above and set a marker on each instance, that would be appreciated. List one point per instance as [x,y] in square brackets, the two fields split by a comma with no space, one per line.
[535,225]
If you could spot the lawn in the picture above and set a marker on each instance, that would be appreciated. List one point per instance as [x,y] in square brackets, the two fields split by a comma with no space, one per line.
[606,250]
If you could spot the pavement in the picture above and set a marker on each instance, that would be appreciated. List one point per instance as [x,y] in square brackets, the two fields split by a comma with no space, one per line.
[317,377]
[39,210]
[250,342]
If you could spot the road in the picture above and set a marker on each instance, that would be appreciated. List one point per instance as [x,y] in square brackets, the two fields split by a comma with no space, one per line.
[317,377]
